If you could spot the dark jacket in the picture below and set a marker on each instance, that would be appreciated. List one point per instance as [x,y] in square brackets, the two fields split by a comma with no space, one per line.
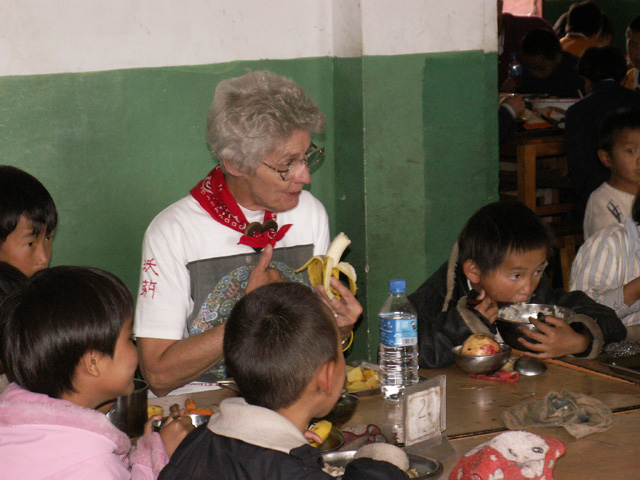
[444,321]
[263,453]
[581,127]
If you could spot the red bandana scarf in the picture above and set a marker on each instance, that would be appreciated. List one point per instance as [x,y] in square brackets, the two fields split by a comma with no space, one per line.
[214,196]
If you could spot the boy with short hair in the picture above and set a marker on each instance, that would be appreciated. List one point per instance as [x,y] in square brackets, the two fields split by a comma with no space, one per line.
[547,69]
[502,254]
[584,22]
[619,151]
[632,79]
[28,217]
[282,347]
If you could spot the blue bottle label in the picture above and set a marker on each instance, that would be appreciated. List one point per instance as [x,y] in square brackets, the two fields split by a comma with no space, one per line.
[399,333]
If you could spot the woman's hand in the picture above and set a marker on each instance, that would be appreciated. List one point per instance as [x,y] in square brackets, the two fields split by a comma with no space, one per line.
[262,273]
[347,310]
[556,338]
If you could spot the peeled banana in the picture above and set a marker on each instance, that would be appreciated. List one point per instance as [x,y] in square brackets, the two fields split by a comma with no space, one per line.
[323,267]
[322,428]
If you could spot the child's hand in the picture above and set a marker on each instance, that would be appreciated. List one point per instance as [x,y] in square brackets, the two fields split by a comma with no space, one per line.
[487,307]
[313,437]
[556,338]
[173,431]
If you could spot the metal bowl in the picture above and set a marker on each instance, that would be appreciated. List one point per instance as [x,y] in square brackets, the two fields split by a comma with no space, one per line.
[511,318]
[343,410]
[129,413]
[481,364]
[427,468]
[334,441]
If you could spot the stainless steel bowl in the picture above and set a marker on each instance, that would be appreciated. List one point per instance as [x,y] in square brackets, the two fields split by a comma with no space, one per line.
[511,318]
[129,413]
[481,364]
[343,410]
[427,468]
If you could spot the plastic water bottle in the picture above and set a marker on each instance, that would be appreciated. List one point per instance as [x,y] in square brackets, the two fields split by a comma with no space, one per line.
[515,67]
[398,354]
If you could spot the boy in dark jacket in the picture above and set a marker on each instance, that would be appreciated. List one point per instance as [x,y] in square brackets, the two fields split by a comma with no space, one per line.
[502,254]
[282,347]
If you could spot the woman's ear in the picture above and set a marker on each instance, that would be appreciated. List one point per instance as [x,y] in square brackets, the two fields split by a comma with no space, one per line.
[232,171]
[472,271]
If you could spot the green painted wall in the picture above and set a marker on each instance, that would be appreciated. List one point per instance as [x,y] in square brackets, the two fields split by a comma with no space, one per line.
[411,152]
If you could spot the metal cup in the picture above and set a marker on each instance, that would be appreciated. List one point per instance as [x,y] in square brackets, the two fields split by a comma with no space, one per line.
[129,413]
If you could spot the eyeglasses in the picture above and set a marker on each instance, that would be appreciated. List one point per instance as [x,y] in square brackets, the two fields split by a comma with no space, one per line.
[312,158]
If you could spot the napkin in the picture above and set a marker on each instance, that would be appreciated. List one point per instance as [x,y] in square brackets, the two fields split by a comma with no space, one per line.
[579,414]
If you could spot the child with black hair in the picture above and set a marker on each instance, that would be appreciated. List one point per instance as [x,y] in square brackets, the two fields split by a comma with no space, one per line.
[619,151]
[28,218]
[607,267]
[632,79]
[10,279]
[547,69]
[67,348]
[584,23]
[501,254]
[282,347]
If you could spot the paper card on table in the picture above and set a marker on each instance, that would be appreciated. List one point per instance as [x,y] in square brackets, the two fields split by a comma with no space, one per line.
[425,415]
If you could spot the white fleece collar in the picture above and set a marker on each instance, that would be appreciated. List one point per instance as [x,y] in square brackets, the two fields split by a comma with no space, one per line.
[256,425]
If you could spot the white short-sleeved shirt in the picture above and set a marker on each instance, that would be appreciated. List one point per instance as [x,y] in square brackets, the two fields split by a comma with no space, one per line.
[606,206]
[184,239]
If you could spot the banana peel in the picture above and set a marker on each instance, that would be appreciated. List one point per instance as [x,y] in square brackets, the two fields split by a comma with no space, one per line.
[322,267]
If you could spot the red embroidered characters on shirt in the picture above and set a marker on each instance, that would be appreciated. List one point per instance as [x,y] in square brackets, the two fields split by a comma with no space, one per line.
[149,286]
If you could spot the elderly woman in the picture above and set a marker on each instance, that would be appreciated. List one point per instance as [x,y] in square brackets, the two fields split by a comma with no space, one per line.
[247,223]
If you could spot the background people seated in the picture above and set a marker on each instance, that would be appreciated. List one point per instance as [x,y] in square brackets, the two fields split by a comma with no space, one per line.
[547,69]
[632,80]
[619,151]
[584,22]
[511,30]
[603,68]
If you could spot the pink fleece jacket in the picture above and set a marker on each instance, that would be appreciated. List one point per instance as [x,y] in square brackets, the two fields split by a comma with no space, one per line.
[43,437]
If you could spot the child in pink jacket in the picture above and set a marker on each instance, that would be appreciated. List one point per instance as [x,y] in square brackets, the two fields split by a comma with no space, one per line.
[67,350]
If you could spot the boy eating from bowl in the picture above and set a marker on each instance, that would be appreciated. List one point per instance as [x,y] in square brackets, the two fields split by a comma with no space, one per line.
[500,256]
[282,346]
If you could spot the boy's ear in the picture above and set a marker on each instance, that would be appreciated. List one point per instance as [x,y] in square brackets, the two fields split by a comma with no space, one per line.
[324,377]
[471,271]
[604,157]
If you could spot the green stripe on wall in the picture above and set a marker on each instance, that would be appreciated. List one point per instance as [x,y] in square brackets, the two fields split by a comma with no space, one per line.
[411,153]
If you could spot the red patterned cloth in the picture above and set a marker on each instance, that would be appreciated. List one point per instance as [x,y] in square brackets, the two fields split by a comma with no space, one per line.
[214,196]
[499,376]
[514,455]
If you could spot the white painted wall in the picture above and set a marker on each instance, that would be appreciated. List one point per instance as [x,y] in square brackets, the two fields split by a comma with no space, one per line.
[52,36]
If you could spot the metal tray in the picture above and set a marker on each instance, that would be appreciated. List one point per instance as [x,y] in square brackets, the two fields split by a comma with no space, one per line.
[426,467]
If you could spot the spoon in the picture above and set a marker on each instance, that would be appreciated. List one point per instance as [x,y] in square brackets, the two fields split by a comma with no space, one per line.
[529,366]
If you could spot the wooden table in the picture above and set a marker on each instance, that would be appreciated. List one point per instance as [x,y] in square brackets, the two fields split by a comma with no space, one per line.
[474,408]
[526,149]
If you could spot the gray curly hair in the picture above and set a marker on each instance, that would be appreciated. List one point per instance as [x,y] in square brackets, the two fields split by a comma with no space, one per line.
[254,114]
